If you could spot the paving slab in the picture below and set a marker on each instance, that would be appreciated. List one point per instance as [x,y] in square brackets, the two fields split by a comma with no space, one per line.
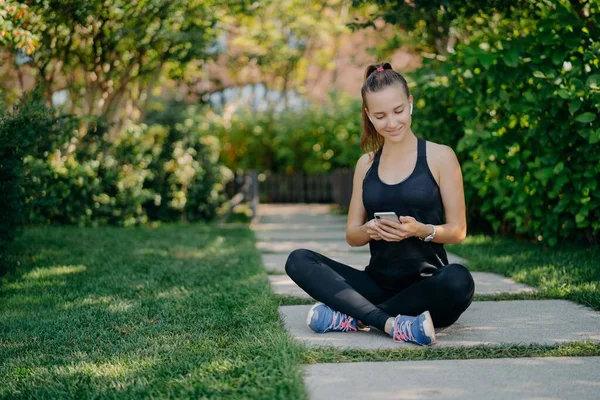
[490,379]
[320,246]
[485,283]
[490,283]
[335,227]
[278,209]
[301,235]
[521,322]
[323,219]
[276,261]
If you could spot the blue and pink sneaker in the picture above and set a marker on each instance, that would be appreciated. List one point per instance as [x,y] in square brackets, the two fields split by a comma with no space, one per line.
[322,318]
[417,329]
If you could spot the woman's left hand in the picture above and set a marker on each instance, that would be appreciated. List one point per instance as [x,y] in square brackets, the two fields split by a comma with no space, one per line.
[392,231]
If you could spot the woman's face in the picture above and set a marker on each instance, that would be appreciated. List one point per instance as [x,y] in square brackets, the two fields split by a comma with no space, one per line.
[389,111]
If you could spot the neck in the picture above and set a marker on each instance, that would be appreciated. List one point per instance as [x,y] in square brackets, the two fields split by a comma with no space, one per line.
[407,145]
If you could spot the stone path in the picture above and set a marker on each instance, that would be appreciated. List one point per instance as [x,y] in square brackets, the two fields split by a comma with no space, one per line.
[487,322]
[283,228]
[491,379]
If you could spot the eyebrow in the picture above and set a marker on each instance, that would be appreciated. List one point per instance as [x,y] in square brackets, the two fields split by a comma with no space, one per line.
[381,112]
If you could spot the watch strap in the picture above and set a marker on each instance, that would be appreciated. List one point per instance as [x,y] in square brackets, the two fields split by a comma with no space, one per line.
[430,237]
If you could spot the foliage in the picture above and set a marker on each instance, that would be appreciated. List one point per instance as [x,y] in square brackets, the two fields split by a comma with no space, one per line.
[18,131]
[189,177]
[427,25]
[52,173]
[15,23]
[283,39]
[520,101]
[108,53]
[314,140]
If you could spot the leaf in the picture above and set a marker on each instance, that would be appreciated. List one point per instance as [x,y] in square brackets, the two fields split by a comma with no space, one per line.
[538,74]
[563,94]
[487,60]
[595,136]
[511,58]
[593,81]
[557,57]
[559,167]
[574,105]
[586,117]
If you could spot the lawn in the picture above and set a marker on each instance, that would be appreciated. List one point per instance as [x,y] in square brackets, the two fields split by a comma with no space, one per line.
[185,311]
[568,271]
[176,311]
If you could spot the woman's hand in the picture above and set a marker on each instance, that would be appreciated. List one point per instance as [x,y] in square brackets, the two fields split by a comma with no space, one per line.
[392,231]
[371,228]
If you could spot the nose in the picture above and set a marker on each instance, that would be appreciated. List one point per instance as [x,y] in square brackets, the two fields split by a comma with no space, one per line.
[392,124]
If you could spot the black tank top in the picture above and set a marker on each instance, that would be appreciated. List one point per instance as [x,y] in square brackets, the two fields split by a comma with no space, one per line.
[396,265]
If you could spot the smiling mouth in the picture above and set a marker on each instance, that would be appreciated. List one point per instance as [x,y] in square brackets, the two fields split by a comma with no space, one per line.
[395,132]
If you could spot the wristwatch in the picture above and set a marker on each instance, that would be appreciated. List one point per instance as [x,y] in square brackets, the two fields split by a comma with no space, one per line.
[430,237]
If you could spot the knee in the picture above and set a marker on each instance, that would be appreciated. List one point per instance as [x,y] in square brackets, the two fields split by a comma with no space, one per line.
[458,283]
[458,288]
[296,261]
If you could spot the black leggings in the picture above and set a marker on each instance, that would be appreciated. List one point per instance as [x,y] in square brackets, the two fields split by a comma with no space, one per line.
[446,294]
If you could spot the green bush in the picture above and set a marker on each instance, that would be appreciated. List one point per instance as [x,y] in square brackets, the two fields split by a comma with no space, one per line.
[189,178]
[18,131]
[52,173]
[519,101]
[318,139]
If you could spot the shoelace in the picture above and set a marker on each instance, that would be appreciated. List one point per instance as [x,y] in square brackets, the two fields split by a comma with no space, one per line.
[344,322]
[403,331]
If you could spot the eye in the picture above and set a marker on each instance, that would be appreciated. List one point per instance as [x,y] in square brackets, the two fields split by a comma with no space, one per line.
[397,112]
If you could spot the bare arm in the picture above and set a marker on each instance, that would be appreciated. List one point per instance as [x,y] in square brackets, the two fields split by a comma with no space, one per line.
[356,232]
[453,198]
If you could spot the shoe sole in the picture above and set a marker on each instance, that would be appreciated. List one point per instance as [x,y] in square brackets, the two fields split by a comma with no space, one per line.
[428,328]
[310,315]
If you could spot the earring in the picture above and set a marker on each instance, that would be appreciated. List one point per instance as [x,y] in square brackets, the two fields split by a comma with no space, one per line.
[411,106]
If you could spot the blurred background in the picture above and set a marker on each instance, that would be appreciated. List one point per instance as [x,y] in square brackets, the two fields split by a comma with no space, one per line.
[144,112]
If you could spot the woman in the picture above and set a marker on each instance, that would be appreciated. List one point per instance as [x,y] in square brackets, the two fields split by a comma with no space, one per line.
[408,288]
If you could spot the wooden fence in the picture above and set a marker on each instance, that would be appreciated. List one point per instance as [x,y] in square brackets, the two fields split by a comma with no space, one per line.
[334,187]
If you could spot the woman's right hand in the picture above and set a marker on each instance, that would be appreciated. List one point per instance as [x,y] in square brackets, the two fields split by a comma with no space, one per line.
[371,230]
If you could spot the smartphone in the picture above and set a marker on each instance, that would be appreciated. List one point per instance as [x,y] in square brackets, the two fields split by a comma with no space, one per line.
[391,216]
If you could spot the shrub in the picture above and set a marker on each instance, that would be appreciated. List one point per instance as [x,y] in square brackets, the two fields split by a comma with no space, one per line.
[19,135]
[318,139]
[520,102]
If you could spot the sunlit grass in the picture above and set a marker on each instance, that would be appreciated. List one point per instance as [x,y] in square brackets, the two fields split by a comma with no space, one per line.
[570,272]
[177,311]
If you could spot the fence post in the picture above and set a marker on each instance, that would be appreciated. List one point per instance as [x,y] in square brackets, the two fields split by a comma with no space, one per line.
[254,194]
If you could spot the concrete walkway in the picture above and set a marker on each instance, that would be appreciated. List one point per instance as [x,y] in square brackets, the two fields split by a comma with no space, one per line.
[491,379]
[283,228]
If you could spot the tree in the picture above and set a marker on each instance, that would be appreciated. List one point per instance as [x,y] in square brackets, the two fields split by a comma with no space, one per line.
[429,25]
[108,55]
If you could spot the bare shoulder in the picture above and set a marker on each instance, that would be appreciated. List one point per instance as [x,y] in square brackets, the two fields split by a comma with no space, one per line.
[364,162]
[440,154]
[439,157]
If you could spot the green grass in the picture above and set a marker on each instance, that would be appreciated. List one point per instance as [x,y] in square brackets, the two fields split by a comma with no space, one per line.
[570,272]
[186,311]
[332,355]
[180,311]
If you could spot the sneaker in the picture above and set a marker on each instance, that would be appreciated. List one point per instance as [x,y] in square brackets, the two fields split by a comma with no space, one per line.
[417,329]
[322,318]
